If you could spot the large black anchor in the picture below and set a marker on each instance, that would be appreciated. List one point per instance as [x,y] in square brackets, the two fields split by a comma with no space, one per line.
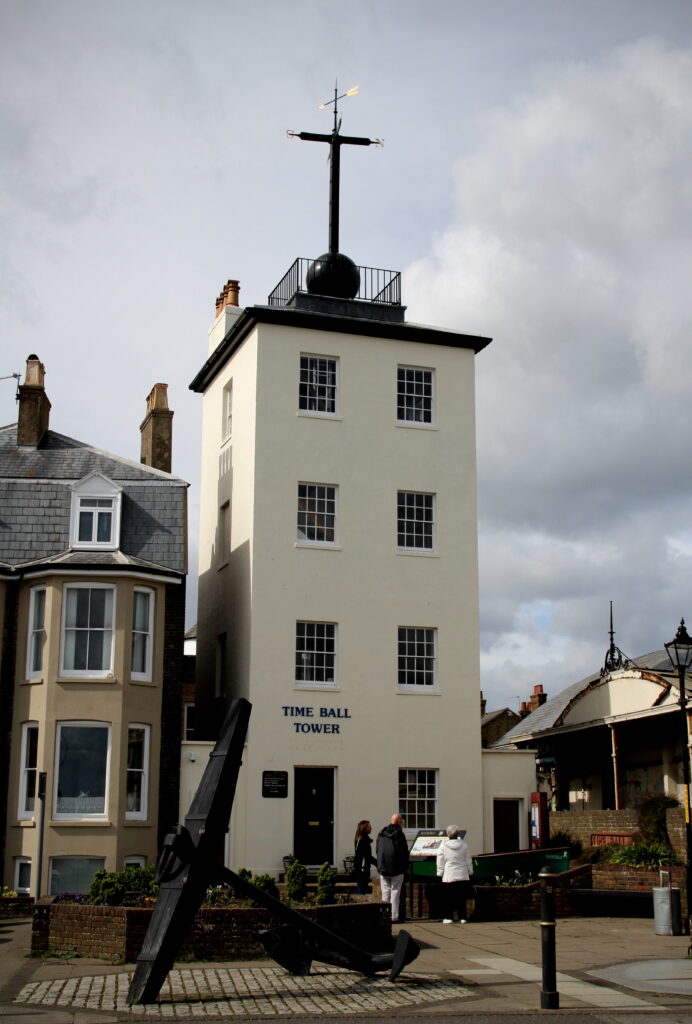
[188,865]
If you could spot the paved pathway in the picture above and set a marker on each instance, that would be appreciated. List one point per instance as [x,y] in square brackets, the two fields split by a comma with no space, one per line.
[604,965]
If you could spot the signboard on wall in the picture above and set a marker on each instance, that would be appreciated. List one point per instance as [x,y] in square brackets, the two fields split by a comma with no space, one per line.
[275,784]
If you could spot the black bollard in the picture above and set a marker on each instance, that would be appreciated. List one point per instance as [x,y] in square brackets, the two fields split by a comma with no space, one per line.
[550,997]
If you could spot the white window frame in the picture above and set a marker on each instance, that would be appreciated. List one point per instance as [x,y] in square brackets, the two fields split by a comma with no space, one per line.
[420,665]
[188,730]
[81,815]
[322,389]
[148,635]
[92,488]
[135,860]
[313,519]
[25,813]
[409,390]
[224,534]
[19,862]
[36,633]
[86,673]
[311,654]
[416,791]
[138,813]
[227,422]
[402,521]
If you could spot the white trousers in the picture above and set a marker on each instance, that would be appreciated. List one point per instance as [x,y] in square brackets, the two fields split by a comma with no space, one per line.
[391,891]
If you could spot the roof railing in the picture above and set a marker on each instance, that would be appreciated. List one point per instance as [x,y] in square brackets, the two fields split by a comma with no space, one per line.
[376,285]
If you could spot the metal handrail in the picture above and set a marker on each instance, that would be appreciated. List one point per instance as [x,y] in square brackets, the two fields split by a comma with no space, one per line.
[376,285]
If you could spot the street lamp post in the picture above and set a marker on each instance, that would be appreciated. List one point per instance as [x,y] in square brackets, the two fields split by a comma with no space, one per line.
[679,651]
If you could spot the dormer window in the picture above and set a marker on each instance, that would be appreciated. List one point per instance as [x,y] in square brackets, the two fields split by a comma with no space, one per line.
[95,521]
[96,513]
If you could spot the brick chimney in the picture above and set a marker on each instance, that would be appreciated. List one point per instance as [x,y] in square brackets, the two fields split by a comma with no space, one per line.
[157,430]
[523,709]
[484,704]
[34,407]
[537,698]
[228,295]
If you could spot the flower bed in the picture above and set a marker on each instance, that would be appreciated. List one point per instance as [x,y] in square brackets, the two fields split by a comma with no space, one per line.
[117,933]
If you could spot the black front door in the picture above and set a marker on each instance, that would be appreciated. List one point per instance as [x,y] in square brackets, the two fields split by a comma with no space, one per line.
[505,825]
[313,815]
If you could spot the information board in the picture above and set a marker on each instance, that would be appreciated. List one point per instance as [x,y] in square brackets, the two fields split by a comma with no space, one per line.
[275,784]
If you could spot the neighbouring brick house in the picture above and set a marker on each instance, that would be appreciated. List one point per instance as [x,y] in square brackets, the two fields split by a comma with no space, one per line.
[93,560]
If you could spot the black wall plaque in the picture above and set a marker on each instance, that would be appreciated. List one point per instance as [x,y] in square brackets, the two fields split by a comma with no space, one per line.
[275,784]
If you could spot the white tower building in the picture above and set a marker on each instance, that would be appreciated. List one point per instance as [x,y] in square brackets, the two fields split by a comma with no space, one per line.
[338,583]
[338,570]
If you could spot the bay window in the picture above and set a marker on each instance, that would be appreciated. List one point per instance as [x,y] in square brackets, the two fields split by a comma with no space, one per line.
[142,632]
[82,759]
[137,771]
[29,764]
[37,633]
[87,642]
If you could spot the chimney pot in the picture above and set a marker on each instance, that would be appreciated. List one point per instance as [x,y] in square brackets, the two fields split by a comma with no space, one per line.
[228,295]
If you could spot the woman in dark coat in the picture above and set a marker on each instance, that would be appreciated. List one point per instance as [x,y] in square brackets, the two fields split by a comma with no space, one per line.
[363,856]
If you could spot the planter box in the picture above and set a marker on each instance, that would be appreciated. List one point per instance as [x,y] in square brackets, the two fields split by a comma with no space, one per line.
[117,933]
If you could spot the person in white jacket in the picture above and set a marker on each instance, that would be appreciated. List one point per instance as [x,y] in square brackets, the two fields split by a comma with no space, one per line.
[454,867]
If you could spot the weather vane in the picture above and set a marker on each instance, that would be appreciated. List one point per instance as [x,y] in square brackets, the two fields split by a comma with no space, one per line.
[335,141]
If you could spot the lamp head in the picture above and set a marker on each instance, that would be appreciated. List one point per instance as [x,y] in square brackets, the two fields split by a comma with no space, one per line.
[679,649]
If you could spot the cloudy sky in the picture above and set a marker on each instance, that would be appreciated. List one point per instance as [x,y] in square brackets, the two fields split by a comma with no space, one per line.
[535,187]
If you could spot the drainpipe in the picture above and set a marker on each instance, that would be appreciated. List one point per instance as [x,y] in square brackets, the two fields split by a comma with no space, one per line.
[616,782]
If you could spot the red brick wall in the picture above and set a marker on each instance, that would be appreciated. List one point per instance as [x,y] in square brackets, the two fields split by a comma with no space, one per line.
[117,933]
[582,825]
[620,876]
[18,906]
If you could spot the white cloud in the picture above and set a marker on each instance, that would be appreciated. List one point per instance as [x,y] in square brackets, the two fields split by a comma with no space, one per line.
[570,247]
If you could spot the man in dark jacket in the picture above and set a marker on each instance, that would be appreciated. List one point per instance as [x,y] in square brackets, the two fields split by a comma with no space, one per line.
[392,862]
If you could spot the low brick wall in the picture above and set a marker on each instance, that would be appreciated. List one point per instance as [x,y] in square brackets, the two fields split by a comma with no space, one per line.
[522,902]
[16,906]
[621,876]
[117,933]
[582,825]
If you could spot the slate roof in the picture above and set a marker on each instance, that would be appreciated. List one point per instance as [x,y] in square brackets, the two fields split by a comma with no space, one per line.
[35,503]
[492,715]
[544,718]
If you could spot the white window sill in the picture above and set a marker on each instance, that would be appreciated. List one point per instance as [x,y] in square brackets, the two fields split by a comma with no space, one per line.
[306,415]
[32,681]
[25,823]
[317,687]
[80,822]
[110,546]
[316,546]
[418,552]
[412,425]
[420,691]
[110,678]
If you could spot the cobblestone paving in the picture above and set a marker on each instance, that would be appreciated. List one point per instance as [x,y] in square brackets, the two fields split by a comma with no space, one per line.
[247,991]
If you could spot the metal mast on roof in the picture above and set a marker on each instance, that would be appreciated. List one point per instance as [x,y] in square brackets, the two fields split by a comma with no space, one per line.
[614,659]
[335,141]
[333,273]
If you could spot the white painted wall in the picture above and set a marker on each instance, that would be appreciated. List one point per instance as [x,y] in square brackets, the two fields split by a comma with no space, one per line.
[366,586]
[507,775]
